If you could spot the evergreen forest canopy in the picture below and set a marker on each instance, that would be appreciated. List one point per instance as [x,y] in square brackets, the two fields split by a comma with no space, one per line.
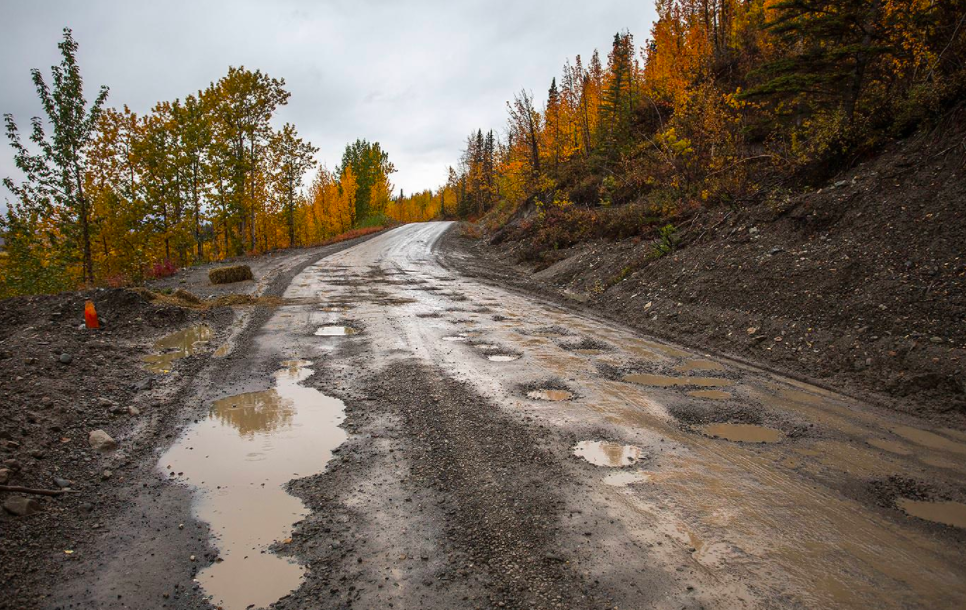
[727,100]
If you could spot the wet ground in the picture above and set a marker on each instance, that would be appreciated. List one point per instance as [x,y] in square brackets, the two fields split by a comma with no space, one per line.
[501,451]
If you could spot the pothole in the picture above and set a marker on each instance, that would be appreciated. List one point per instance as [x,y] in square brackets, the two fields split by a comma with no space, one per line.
[177,345]
[606,453]
[502,357]
[335,331]
[743,433]
[890,446]
[455,338]
[239,459]
[944,512]
[667,381]
[550,395]
[929,439]
[699,365]
[711,394]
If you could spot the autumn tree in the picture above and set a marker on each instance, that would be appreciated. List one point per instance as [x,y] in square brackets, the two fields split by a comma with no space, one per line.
[292,158]
[54,186]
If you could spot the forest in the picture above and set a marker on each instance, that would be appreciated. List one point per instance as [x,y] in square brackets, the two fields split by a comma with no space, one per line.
[113,198]
[727,102]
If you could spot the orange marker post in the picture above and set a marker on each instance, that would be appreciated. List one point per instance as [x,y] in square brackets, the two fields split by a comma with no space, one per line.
[90,315]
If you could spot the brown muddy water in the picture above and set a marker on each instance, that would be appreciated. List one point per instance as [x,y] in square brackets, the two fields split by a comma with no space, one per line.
[666,381]
[335,331]
[551,395]
[947,513]
[743,433]
[238,460]
[605,453]
[177,345]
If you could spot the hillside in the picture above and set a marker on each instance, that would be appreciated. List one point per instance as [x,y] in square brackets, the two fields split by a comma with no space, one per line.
[860,284]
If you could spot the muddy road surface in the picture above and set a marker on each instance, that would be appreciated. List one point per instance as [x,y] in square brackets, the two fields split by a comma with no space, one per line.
[396,435]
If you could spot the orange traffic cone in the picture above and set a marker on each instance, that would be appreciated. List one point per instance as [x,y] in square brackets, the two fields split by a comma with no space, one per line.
[90,315]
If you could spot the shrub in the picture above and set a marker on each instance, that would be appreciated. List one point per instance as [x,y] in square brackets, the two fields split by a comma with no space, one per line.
[228,275]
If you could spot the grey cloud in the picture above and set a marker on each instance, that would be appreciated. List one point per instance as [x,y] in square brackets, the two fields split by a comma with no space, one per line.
[417,76]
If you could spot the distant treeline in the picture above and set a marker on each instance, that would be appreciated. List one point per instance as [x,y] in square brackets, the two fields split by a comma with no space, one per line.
[113,197]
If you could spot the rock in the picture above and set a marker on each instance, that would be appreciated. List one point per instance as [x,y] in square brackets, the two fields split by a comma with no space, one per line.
[12,464]
[62,483]
[133,411]
[66,358]
[101,441]
[21,506]
[118,410]
[107,474]
[775,250]
[936,339]
[144,385]
[37,454]
[4,475]
[753,231]
[841,183]
[86,507]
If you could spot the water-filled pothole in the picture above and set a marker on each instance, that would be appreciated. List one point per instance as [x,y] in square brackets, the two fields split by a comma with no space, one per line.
[699,365]
[606,453]
[929,439]
[712,394]
[503,357]
[551,395]
[455,338]
[239,458]
[743,433]
[666,381]
[947,513]
[335,331]
[177,345]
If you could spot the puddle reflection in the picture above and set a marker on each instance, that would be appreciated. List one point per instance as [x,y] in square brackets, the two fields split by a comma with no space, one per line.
[177,345]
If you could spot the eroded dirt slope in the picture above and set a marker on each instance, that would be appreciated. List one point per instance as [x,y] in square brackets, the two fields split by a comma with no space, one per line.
[861,284]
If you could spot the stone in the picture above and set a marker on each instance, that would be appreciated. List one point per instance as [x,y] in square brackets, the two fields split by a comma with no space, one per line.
[62,483]
[21,506]
[101,441]
[4,475]
[66,358]
[144,385]
[133,411]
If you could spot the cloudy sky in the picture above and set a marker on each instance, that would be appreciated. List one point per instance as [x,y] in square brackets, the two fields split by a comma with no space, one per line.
[416,76]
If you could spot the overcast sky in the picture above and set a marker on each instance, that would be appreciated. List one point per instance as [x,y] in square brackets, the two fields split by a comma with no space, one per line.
[416,76]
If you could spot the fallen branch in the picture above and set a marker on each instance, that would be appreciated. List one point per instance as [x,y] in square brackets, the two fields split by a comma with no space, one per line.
[37,492]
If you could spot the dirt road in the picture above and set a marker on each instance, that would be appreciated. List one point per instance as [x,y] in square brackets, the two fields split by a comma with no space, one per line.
[456,444]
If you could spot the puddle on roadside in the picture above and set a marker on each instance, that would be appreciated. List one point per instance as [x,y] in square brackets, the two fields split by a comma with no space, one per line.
[335,331]
[929,439]
[743,433]
[486,346]
[623,479]
[239,458]
[698,365]
[666,381]
[940,462]
[175,346]
[606,453]
[502,357]
[712,394]
[946,513]
[551,395]
[455,338]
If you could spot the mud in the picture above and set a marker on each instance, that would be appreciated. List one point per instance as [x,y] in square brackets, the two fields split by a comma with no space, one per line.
[744,433]
[177,345]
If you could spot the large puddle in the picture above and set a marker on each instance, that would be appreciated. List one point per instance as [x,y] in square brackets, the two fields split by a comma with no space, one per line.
[238,459]
[929,439]
[177,345]
[666,381]
[743,433]
[606,453]
[947,513]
